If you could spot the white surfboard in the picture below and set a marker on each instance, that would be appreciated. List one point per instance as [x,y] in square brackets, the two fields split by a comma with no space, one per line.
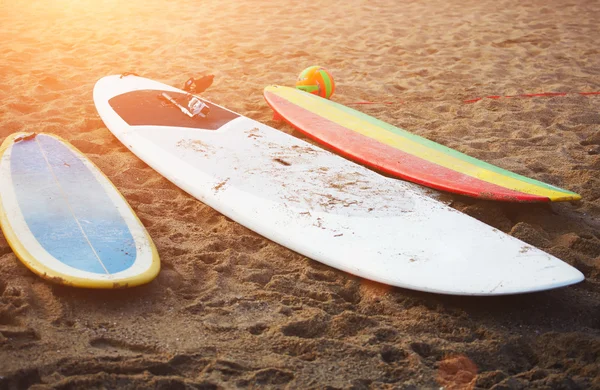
[319,204]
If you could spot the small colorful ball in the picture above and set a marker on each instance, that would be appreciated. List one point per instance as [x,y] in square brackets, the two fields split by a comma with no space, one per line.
[316,80]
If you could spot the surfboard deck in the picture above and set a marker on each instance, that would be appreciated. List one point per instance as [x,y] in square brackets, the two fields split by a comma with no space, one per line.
[66,221]
[396,152]
[319,204]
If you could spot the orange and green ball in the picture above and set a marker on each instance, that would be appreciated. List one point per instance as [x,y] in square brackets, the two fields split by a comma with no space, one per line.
[316,80]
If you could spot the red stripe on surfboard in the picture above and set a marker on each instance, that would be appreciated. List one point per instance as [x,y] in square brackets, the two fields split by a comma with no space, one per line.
[388,159]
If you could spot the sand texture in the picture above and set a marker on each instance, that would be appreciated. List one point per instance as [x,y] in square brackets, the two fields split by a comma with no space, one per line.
[231,309]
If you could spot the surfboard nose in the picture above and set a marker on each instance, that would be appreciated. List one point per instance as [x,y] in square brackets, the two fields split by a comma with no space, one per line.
[554,276]
[526,277]
[474,281]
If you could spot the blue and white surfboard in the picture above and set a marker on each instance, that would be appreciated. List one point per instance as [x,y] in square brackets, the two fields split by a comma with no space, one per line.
[66,221]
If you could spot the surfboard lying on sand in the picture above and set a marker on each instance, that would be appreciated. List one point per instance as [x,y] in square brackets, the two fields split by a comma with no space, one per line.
[399,153]
[317,203]
[66,221]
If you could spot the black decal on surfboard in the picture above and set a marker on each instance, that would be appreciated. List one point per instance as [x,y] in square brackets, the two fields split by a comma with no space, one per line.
[145,108]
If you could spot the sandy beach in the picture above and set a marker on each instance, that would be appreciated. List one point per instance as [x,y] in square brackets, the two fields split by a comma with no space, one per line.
[231,309]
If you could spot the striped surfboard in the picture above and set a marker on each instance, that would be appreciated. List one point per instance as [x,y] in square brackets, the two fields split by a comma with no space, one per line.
[396,152]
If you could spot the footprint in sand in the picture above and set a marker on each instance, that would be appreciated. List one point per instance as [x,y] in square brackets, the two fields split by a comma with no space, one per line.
[114,345]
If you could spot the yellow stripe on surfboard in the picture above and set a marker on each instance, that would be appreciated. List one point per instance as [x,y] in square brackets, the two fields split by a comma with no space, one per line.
[370,130]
